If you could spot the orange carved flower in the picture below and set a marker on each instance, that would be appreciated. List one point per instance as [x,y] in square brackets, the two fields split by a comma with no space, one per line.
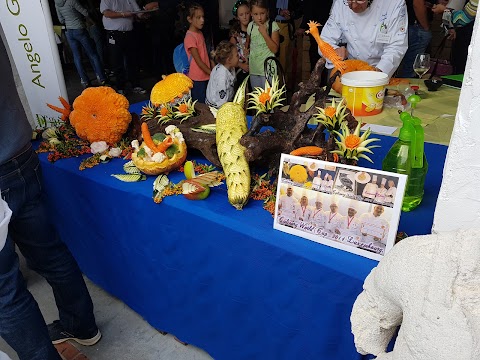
[330,111]
[352,141]
[183,108]
[164,111]
[264,97]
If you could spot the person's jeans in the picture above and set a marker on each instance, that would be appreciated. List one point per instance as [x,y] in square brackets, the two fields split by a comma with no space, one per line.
[21,323]
[199,91]
[418,40]
[121,50]
[78,38]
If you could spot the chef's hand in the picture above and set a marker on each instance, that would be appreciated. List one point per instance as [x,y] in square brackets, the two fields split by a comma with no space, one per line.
[342,52]
[151,5]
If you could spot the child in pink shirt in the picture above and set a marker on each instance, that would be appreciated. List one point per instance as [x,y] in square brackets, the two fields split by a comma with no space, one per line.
[196,48]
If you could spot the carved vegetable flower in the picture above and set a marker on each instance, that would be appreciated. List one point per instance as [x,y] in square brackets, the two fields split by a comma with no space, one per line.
[298,173]
[185,110]
[267,99]
[100,114]
[353,145]
[166,114]
[332,116]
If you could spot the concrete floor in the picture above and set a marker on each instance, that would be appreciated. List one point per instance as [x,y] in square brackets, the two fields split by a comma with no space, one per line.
[126,336]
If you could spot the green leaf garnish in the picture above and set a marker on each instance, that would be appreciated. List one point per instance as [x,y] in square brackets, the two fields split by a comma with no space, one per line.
[172,150]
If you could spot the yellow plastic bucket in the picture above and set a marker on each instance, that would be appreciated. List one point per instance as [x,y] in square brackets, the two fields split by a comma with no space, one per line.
[364,91]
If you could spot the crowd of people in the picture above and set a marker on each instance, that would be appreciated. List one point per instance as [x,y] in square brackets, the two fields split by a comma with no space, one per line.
[387,35]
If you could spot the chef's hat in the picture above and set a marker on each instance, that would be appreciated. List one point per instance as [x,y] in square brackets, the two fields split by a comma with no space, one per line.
[318,198]
[334,200]
[384,181]
[374,178]
[319,173]
[325,177]
[353,204]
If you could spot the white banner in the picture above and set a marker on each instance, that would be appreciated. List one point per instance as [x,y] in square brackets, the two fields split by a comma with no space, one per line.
[28,28]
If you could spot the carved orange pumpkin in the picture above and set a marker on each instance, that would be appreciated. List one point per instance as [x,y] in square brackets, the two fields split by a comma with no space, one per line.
[100,114]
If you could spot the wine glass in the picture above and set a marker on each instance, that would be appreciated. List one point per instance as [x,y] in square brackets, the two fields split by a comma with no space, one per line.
[421,64]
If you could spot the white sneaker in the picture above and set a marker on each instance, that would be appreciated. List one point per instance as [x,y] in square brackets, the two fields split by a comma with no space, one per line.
[139,90]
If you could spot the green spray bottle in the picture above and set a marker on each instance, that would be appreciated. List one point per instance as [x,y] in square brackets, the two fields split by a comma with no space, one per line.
[407,157]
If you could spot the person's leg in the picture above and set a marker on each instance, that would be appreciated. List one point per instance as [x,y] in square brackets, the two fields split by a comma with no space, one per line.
[83,38]
[21,322]
[131,63]
[418,40]
[257,81]
[460,48]
[32,231]
[77,56]
[285,51]
[199,90]
[98,38]
[115,53]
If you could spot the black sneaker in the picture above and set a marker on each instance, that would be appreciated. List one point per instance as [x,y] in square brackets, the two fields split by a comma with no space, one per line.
[58,335]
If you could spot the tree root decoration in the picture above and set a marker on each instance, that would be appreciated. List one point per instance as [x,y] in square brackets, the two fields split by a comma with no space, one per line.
[290,130]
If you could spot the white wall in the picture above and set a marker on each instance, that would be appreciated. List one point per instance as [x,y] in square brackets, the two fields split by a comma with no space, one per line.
[458,204]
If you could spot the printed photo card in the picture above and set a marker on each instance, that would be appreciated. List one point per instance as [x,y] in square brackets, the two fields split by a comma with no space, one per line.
[347,207]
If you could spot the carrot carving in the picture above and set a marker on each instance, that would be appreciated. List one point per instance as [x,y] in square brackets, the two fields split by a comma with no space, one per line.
[165,144]
[327,50]
[307,150]
[148,138]
[65,111]
[162,147]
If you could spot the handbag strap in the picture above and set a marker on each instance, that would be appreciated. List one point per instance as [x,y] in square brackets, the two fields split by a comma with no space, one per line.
[435,59]
[441,46]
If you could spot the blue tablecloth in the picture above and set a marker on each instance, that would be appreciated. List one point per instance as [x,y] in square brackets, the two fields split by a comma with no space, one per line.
[221,279]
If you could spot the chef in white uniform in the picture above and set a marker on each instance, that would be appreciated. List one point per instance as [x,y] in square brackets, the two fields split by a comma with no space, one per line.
[381,192]
[317,181]
[370,190]
[288,204]
[304,210]
[333,218]
[375,228]
[375,31]
[391,192]
[351,223]
[317,215]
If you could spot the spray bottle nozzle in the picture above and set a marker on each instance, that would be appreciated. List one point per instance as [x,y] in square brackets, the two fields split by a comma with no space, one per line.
[413,100]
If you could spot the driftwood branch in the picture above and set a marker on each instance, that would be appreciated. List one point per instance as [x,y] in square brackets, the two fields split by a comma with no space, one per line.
[290,127]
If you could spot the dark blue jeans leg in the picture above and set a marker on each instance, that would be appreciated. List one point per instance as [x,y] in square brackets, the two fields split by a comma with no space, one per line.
[21,323]
[116,53]
[418,40]
[30,228]
[81,35]
[77,55]
[199,90]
